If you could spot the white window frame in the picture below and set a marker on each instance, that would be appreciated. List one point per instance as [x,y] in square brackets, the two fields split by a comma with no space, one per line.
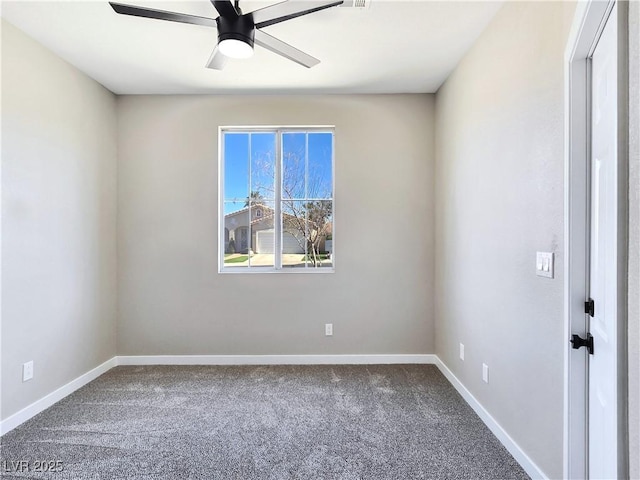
[277,268]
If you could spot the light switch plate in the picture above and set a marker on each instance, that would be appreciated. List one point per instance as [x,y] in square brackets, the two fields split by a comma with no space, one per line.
[544,264]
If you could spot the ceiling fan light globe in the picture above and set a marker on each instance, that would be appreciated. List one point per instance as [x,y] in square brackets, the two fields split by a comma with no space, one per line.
[234,48]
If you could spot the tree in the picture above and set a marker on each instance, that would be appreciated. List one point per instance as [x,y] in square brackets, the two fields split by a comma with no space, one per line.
[254,198]
[305,186]
[310,223]
[309,220]
[231,247]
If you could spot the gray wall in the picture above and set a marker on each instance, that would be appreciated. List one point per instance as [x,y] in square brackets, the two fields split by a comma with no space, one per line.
[499,150]
[173,301]
[58,221]
[634,240]
[499,199]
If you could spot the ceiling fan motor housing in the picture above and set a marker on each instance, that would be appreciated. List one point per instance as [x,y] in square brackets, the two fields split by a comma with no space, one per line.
[239,28]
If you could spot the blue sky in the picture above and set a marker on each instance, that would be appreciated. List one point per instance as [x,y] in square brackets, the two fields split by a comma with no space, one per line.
[257,150]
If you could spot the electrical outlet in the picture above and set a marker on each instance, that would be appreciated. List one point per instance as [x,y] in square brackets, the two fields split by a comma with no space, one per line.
[328,329]
[485,373]
[462,351]
[27,371]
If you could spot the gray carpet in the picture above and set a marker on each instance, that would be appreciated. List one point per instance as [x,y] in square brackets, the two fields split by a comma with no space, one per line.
[271,422]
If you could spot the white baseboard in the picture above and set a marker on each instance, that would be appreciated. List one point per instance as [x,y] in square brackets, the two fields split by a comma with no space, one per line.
[274,359]
[509,443]
[45,402]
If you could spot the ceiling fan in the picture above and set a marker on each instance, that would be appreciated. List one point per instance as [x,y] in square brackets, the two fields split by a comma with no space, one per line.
[237,31]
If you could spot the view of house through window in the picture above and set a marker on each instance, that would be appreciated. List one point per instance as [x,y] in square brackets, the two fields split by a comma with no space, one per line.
[277,199]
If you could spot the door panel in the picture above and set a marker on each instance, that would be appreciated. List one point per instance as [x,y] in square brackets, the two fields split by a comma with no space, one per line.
[603,254]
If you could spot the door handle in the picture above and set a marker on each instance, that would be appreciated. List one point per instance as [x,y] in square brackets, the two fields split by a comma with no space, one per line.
[577,341]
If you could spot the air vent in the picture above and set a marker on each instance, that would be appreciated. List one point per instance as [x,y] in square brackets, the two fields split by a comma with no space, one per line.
[356,3]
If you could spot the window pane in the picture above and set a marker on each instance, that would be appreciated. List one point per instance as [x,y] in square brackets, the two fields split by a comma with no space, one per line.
[293,165]
[294,234]
[319,173]
[319,231]
[306,227]
[236,235]
[262,235]
[263,154]
[236,166]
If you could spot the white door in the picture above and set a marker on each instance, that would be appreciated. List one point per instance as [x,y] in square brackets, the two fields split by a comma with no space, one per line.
[265,241]
[602,400]
[290,243]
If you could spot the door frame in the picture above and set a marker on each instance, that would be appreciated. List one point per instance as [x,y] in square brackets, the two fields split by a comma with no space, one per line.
[588,23]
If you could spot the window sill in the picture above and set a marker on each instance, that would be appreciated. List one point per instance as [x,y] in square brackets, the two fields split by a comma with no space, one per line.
[285,271]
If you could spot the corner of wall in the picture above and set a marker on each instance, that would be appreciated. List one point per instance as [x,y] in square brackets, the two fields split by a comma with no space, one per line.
[58,268]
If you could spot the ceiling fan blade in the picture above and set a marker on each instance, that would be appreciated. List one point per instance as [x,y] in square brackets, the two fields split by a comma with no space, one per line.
[287,10]
[162,15]
[225,8]
[278,46]
[217,60]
